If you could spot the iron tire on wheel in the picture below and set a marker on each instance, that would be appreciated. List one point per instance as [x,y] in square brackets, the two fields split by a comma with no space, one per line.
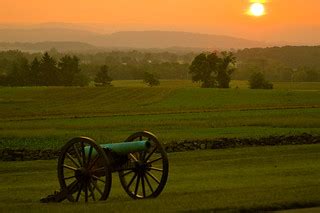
[84,171]
[147,180]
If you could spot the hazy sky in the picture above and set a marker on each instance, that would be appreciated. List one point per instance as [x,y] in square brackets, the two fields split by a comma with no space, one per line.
[227,17]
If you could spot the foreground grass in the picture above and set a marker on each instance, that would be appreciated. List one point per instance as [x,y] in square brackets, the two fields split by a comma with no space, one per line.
[245,178]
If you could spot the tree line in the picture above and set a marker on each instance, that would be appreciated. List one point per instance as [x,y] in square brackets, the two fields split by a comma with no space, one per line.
[45,71]
[276,64]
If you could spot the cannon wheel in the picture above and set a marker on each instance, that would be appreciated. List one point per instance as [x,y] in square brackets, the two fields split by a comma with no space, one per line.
[149,175]
[84,171]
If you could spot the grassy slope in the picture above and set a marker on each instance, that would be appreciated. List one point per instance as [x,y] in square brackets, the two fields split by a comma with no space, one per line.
[246,178]
[47,117]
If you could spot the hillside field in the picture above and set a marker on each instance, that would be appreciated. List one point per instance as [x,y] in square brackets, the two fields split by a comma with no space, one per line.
[41,117]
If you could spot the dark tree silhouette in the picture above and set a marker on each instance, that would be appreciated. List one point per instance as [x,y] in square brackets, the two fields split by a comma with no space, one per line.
[212,70]
[258,81]
[150,79]
[34,74]
[69,69]
[18,75]
[225,69]
[49,73]
[103,77]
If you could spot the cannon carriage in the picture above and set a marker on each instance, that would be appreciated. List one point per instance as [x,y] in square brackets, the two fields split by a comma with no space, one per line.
[85,168]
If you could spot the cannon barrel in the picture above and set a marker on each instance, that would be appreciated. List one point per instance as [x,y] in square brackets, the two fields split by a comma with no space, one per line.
[123,148]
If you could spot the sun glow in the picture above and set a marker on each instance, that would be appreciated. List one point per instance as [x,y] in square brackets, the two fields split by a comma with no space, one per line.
[256,9]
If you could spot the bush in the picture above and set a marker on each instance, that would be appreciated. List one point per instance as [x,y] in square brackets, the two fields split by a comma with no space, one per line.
[258,81]
[102,77]
[150,79]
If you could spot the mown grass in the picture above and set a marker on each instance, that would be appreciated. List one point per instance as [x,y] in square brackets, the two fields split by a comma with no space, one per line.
[246,178]
[53,133]
[47,117]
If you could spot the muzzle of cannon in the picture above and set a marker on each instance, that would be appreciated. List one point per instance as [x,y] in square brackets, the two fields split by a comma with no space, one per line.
[85,168]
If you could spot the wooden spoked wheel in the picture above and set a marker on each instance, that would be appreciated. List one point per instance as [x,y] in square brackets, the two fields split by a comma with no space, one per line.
[84,171]
[149,173]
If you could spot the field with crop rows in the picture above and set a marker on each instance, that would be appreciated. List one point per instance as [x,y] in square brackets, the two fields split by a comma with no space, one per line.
[41,117]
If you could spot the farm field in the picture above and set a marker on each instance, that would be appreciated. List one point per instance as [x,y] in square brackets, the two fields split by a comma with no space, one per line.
[40,117]
[269,178]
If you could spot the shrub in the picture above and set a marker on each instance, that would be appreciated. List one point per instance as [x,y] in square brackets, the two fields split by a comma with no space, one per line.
[258,81]
[150,79]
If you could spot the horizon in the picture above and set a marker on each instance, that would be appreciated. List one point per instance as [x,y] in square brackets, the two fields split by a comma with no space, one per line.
[229,18]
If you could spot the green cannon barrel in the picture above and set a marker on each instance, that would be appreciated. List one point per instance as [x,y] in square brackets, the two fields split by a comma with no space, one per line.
[123,148]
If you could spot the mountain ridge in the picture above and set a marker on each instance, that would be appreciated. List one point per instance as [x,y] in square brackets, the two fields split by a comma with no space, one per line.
[129,39]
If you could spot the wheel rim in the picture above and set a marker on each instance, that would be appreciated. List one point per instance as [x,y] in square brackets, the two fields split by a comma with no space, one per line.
[149,175]
[84,171]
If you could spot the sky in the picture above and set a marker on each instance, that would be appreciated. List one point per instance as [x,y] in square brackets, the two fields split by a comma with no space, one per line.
[291,20]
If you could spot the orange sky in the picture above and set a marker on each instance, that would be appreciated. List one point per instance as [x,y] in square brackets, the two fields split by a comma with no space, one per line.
[206,16]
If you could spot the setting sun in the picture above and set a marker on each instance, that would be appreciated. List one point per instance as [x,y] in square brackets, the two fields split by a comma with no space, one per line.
[257,9]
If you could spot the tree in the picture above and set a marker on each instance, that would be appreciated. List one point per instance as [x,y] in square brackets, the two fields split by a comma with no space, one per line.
[34,74]
[212,70]
[203,68]
[69,69]
[151,79]
[18,74]
[258,81]
[48,73]
[103,77]
[225,69]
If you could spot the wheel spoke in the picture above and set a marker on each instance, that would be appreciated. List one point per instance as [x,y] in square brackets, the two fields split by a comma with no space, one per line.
[153,177]
[89,155]
[148,182]
[92,191]
[156,169]
[131,181]
[96,186]
[153,161]
[83,154]
[142,155]
[72,159]
[69,167]
[133,157]
[96,178]
[77,154]
[137,185]
[67,178]
[99,170]
[143,186]
[151,153]
[79,192]
[125,174]
[93,162]
[86,192]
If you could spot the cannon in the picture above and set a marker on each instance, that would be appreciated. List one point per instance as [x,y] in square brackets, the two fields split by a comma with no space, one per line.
[85,168]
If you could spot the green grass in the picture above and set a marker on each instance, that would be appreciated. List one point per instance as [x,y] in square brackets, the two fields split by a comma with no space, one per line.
[53,133]
[245,178]
[43,117]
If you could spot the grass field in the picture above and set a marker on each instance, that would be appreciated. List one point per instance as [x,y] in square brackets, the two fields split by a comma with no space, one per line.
[243,178]
[279,177]
[47,117]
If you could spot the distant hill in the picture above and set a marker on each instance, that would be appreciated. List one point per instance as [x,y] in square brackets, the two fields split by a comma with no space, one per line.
[129,39]
[62,46]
